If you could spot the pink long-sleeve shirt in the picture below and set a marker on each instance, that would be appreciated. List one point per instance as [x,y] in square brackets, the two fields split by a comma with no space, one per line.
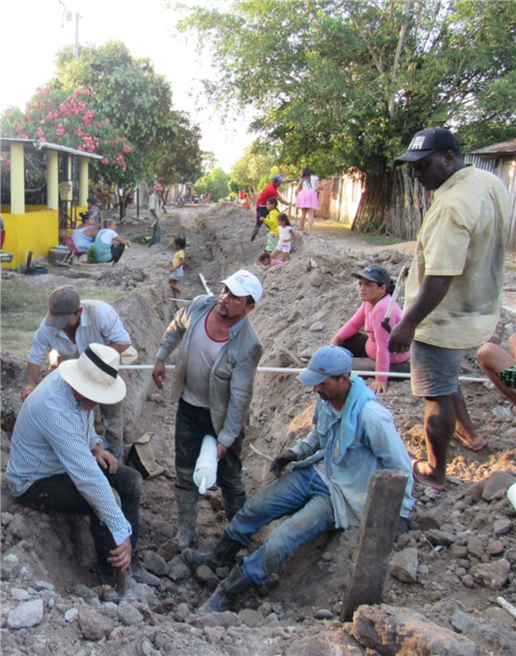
[369,317]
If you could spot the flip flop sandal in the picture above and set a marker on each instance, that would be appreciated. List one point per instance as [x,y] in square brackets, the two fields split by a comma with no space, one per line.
[425,480]
[504,412]
[460,438]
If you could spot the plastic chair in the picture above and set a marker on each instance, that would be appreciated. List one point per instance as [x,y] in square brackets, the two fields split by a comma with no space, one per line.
[73,252]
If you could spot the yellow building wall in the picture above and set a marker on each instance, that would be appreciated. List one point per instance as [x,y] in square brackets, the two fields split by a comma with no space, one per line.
[35,231]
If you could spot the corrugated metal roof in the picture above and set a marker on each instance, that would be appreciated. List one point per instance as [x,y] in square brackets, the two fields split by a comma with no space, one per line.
[504,148]
[39,145]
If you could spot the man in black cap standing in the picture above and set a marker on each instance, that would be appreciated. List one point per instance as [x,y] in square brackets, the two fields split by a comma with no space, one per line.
[453,291]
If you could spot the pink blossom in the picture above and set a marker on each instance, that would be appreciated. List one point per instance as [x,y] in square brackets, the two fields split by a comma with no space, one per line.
[127,149]
[42,122]
[104,161]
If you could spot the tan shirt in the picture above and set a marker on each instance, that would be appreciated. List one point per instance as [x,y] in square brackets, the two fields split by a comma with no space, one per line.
[463,235]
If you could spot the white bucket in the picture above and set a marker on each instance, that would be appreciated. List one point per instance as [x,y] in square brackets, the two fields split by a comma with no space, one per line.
[205,473]
[511,495]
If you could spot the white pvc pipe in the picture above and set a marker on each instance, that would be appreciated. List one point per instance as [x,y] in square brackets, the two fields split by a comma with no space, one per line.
[391,374]
[205,285]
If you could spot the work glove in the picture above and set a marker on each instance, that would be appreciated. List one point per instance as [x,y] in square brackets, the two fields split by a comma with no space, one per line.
[279,463]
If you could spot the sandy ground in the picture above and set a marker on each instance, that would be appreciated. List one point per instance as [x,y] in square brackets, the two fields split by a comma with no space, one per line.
[454,535]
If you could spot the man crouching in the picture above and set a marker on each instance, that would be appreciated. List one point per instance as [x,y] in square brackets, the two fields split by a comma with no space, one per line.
[58,463]
[352,437]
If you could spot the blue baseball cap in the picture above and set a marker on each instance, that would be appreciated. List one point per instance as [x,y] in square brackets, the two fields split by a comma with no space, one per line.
[325,362]
[277,179]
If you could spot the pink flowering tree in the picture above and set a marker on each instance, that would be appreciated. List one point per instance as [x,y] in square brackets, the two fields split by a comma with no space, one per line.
[55,116]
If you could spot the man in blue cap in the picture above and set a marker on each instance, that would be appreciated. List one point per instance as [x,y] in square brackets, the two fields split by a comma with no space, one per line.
[326,488]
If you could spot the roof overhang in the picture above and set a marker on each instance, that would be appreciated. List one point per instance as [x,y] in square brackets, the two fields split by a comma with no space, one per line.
[44,145]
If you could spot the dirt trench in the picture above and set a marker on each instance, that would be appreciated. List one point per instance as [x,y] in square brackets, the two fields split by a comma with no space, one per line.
[304,303]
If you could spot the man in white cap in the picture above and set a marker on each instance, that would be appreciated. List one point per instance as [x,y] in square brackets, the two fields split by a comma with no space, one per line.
[213,382]
[69,327]
[326,488]
[453,290]
[57,462]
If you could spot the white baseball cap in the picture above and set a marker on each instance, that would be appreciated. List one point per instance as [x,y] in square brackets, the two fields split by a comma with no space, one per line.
[243,283]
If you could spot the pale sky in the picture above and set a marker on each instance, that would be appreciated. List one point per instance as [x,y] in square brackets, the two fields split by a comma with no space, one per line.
[32,33]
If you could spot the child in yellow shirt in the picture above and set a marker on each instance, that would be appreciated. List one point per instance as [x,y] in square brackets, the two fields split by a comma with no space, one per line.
[176,271]
[271,221]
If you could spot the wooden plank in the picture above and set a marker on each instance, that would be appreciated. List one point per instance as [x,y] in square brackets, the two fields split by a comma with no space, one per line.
[376,538]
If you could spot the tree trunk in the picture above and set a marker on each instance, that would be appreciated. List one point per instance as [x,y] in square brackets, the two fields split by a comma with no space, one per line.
[392,204]
[374,207]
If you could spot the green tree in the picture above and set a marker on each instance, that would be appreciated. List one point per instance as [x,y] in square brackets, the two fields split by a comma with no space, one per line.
[181,159]
[138,101]
[344,84]
[257,167]
[215,183]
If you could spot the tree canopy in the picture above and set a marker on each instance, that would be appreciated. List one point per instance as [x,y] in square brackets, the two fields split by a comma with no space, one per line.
[107,102]
[342,84]
[215,183]
[255,168]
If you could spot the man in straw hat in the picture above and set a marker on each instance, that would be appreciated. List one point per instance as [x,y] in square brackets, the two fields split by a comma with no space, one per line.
[69,327]
[330,471]
[217,358]
[57,462]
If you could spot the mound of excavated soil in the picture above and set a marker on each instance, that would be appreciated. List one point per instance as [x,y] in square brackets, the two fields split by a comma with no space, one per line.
[458,557]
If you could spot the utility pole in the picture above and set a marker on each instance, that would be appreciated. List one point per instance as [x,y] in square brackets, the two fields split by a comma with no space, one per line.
[69,15]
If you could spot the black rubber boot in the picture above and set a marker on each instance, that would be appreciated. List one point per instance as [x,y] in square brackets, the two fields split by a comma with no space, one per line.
[187,505]
[222,556]
[254,233]
[226,593]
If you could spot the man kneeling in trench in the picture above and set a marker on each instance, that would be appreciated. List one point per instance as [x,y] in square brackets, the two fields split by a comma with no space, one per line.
[330,471]
[58,463]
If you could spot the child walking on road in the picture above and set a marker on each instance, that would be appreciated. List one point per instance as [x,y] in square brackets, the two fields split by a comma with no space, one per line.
[176,272]
[286,237]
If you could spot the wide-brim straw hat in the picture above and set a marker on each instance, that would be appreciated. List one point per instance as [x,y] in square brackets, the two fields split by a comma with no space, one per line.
[95,374]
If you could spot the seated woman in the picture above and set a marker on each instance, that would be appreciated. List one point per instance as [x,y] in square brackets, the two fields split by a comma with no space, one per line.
[375,288]
[84,236]
[500,367]
[109,246]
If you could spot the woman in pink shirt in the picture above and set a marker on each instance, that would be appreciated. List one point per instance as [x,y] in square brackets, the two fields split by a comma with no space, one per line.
[375,287]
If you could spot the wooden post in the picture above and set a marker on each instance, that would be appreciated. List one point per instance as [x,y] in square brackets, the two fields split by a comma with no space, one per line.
[376,538]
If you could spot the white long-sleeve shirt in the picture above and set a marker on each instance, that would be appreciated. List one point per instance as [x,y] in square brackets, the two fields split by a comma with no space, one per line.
[99,323]
[54,434]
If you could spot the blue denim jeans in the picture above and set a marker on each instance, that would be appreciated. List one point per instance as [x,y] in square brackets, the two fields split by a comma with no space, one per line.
[304,496]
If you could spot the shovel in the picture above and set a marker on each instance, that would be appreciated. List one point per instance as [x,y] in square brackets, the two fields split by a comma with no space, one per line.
[397,289]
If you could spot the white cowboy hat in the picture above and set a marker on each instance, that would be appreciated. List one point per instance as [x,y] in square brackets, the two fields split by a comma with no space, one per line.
[95,374]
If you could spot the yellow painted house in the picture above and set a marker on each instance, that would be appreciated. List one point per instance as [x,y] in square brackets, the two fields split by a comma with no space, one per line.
[35,227]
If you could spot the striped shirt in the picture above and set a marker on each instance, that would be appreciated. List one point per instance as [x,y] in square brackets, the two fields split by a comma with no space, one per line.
[99,323]
[54,434]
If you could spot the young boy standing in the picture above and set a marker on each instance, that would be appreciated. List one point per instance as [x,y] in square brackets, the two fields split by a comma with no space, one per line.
[271,221]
